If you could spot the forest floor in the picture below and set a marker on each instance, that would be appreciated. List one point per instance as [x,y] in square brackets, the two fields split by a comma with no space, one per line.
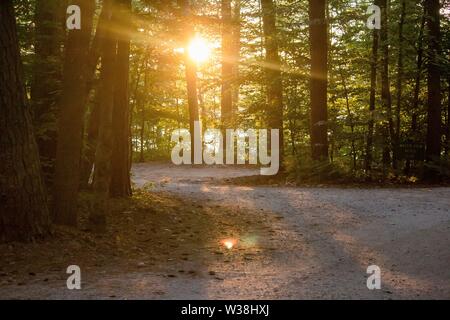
[291,242]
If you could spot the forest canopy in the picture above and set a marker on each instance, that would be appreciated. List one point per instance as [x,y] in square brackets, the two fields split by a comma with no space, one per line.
[228,45]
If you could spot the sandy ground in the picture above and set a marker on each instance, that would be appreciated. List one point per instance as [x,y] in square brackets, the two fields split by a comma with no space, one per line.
[319,245]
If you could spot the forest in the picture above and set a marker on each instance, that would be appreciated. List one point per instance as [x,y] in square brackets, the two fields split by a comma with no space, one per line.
[90,90]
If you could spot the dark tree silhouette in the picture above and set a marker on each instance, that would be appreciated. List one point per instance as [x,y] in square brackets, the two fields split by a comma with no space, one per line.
[319,75]
[121,165]
[274,112]
[46,81]
[23,207]
[73,102]
[434,81]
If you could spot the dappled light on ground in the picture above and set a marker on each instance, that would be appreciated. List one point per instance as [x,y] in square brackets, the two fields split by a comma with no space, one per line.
[327,237]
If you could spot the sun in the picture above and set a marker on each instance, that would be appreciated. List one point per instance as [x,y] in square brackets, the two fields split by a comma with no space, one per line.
[199,50]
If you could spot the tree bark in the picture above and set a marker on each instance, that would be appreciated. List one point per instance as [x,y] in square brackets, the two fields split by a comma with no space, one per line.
[350,120]
[227,66]
[191,72]
[103,154]
[120,180]
[274,112]
[434,81]
[399,85]
[415,108]
[140,105]
[46,81]
[236,56]
[70,125]
[135,94]
[447,148]
[23,207]
[372,103]
[319,79]
[386,96]
[95,51]
[88,158]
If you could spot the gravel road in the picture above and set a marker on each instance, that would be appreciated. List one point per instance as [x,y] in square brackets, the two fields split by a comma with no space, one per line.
[329,236]
[319,244]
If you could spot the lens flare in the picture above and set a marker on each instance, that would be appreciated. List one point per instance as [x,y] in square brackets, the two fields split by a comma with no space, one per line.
[229,243]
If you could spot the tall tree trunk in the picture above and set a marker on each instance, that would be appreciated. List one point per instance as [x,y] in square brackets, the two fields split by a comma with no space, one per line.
[120,180]
[95,51]
[202,107]
[399,85]
[386,97]
[46,81]
[103,154]
[141,108]
[227,66]
[142,137]
[447,148]
[191,72]
[191,79]
[434,80]
[88,158]
[236,55]
[350,120]
[418,77]
[319,79]
[372,103]
[274,113]
[70,124]
[415,108]
[134,107]
[23,204]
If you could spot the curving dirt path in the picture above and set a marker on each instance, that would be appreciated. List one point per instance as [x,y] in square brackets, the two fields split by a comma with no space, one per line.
[328,236]
[312,243]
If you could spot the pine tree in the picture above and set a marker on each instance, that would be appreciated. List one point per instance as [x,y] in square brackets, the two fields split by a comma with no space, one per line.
[23,208]
[70,126]
[274,112]
[319,76]
[121,166]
